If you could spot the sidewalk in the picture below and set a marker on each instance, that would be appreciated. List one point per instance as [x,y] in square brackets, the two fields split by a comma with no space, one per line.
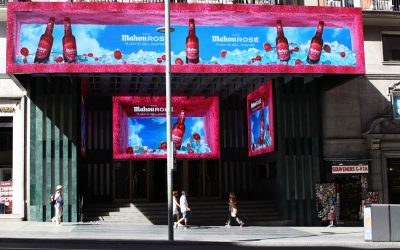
[246,236]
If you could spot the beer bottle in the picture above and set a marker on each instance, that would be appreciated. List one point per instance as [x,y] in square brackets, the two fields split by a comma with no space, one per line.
[45,43]
[282,45]
[178,130]
[261,137]
[69,43]
[314,53]
[192,44]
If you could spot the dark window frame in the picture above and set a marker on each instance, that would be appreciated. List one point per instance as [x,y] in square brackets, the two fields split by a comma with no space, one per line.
[390,47]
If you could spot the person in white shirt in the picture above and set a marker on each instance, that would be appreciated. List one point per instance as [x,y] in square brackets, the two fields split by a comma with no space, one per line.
[58,205]
[184,209]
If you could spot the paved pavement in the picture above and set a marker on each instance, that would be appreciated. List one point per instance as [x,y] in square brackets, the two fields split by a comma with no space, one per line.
[255,236]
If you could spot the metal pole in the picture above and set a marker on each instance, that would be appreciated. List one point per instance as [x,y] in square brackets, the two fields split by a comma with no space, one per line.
[170,156]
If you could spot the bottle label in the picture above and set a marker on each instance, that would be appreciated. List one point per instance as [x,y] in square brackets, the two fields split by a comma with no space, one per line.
[43,50]
[283,51]
[177,135]
[70,50]
[192,51]
[315,51]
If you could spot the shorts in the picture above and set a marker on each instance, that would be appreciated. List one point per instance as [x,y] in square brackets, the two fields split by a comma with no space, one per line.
[185,214]
[176,211]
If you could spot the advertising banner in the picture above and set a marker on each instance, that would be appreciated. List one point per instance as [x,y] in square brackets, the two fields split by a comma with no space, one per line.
[139,127]
[260,120]
[206,38]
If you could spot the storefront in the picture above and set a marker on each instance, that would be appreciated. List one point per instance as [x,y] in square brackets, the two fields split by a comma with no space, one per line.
[78,138]
[348,192]
[11,158]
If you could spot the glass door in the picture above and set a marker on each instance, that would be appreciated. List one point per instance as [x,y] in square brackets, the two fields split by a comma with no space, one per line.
[130,180]
[203,178]
[393,176]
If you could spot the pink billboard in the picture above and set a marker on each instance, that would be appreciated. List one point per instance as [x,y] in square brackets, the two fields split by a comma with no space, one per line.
[139,127]
[260,120]
[122,37]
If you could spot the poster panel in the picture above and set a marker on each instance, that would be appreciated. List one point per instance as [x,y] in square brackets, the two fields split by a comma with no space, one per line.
[260,120]
[206,38]
[139,127]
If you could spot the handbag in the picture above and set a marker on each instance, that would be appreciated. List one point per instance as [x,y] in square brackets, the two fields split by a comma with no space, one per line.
[234,212]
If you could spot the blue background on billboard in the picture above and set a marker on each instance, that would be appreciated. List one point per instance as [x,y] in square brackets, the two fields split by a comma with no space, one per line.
[151,131]
[103,40]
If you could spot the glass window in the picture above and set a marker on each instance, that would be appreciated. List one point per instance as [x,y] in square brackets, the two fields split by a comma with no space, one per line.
[391,47]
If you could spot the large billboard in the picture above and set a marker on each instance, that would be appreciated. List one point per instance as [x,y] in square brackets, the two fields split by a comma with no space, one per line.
[117,37]
[260,120]
[139,127]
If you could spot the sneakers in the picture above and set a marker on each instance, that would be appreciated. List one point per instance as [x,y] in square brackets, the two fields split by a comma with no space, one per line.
[53,220]
[242,224]
[227,225]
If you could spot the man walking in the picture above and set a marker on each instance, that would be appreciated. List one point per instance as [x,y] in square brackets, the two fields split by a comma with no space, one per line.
[184,209]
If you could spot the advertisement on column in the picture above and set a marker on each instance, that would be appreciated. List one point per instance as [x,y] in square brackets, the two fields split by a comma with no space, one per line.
[215,41]
[139,127]
[260,120]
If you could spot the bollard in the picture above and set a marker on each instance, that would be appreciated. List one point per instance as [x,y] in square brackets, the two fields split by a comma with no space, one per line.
[376,222]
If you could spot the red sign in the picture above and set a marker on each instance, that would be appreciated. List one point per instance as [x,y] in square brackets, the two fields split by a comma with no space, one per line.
[358,169]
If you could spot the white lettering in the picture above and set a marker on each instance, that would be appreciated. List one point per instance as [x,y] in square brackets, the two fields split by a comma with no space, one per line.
[238,39]
[350,169]
[135,38]
[255,103]
[146,109]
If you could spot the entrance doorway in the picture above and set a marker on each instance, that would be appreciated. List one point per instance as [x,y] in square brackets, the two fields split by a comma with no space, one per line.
[147,179]
[6,142]
[393,177]
[130,180]
[349,189]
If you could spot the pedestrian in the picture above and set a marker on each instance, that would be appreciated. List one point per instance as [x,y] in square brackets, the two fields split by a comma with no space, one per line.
[233,211]
[331,217]
[184,209]
[59,203]
[175,206]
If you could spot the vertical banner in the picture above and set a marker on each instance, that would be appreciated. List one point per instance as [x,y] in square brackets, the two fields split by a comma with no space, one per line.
[260,120]
[83,126]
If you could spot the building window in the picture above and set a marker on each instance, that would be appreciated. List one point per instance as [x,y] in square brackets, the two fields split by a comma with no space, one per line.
[391,47]
[396,104]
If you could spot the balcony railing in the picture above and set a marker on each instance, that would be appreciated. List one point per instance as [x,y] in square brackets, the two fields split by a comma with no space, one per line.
[381,5]
[374,5]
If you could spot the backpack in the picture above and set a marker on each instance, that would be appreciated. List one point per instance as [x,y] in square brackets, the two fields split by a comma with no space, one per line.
[52,200]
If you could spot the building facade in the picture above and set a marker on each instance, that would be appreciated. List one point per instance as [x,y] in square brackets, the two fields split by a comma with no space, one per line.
[321,121]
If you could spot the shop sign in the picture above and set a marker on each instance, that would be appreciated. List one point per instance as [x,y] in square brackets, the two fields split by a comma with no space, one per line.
[7,109]
[356,169]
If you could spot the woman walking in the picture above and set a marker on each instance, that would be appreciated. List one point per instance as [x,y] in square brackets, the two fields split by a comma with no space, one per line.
[233,211]
[59,203]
